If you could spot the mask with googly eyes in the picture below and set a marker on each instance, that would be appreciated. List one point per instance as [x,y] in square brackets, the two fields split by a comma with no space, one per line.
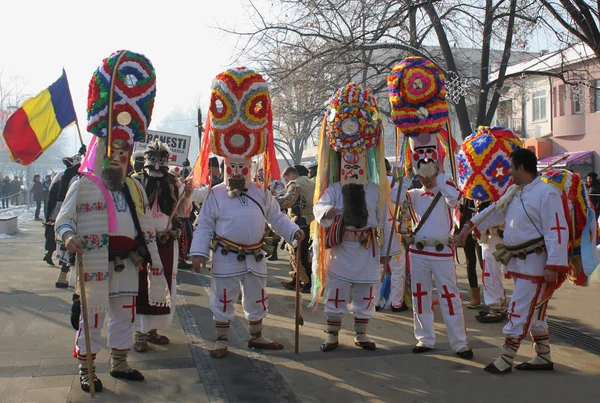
[156,159]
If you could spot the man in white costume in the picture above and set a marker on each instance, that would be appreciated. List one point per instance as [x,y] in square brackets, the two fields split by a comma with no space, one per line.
[103,220]
[350,212]
[232,218]
[535,240]
[430,254]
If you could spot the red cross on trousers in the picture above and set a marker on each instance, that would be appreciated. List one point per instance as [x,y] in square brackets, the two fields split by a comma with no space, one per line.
[558,228]
[336,300]
[132,306]
[419,294]
[512,313]
[448,297]
[370,298]
[484,275]
[225,301]
[263,300]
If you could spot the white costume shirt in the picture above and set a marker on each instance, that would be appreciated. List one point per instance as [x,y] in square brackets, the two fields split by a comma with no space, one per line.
[440,223]
[350,260]
[535,211]
[241,221]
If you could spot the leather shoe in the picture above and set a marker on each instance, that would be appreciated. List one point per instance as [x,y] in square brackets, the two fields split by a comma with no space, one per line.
[492,369]
[85,384]
[325,347]
[305,289]
[367,345]
[527,366]
[421,349]
[131,374]
[491,317]
[467,354]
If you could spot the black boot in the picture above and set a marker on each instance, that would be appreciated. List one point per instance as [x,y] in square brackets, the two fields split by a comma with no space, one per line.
[48,258]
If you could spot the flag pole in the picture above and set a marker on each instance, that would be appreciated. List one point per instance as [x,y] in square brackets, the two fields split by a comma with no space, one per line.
[73,104]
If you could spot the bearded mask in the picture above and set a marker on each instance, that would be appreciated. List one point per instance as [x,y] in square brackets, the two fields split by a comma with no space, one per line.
[156,159]
[115,166]
[424,154]
[237,175]
[353,168]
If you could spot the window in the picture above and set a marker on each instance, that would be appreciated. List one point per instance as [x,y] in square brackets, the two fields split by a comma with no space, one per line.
[597,96]
[539,105]
[560,100]
[577,100]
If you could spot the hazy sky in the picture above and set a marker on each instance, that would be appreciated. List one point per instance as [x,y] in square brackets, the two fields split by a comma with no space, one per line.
[40,37]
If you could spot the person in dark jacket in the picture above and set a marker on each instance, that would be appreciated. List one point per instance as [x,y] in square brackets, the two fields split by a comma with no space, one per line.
[38,195]
[5,191]
[15,190]
[592,184]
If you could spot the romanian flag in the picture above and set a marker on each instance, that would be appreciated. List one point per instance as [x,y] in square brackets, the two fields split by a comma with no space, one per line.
[32,128]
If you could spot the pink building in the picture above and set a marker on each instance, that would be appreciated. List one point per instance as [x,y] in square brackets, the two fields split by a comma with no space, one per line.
[565,114]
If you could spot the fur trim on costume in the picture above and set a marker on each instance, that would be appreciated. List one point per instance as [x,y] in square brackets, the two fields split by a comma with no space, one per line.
[356,213]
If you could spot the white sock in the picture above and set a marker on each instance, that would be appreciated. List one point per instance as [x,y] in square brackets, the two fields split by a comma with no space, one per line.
[541,344]
[509,352]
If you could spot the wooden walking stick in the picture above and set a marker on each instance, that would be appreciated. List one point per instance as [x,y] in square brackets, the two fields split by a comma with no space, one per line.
[86,325]
[299,320]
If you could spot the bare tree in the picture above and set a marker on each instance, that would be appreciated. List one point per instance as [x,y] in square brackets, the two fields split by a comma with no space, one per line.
[579,18]
[298,95]
[361,40]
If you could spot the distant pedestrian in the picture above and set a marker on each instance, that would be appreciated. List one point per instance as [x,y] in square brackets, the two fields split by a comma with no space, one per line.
[38,195]
[46,187]
[592,184]
[15,190]
[5,191]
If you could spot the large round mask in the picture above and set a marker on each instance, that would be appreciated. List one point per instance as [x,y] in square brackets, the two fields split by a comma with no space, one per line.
[122,91]
[353,120]
[239,113]
[483,163]
[417,96]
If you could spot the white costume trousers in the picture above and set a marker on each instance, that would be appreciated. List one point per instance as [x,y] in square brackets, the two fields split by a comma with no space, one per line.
[398,273]
[443,271]
[523,315]
[493,289]
[121,316]
[225,291]
[361,296]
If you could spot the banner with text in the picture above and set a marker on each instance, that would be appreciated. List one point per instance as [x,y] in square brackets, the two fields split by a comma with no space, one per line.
[178,143]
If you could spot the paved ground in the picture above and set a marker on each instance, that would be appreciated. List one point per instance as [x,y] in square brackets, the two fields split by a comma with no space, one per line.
[36,340]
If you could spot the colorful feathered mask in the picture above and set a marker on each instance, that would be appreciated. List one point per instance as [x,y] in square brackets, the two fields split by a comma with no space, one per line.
[120,102]
[240,123]
[353,120]
[417,96]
